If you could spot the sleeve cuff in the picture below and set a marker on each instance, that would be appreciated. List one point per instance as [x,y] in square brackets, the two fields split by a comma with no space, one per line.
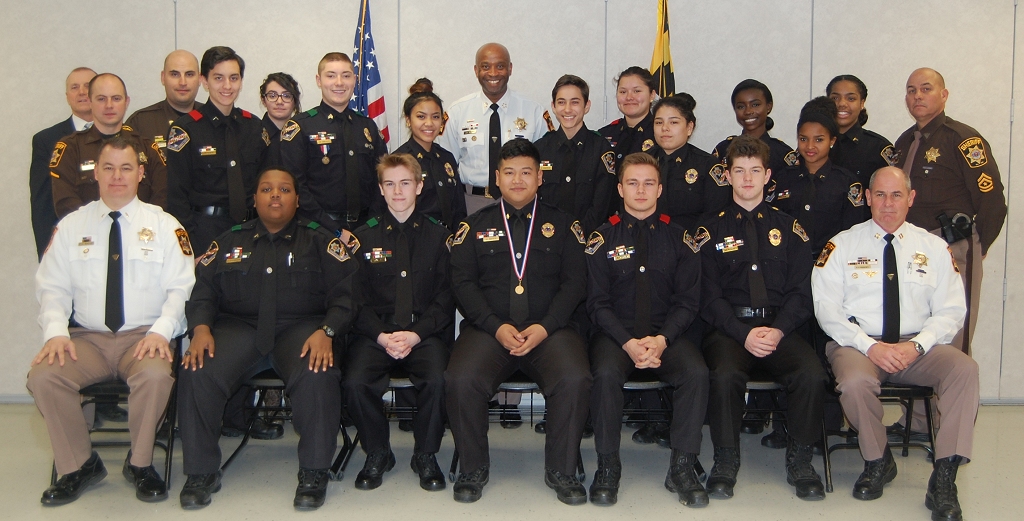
[927,340]
[863,342]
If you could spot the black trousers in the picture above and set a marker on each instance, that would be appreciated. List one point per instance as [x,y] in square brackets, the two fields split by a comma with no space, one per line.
[315,397]
[367,372]
[682,367]
[793,364]
[479,364]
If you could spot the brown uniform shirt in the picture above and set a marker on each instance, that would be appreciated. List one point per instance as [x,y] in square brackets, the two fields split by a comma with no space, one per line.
[954,172]
[73,164]
[154,121]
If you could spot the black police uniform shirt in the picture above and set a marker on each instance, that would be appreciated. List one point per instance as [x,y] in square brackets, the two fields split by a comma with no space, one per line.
[784,260]
[672,268]
[315,276]
[321,146]
[825,203]
[954,172]
[155,120]
[693,184]
[627,140]
[578,175]
[780,154]
[201,147]
[272,135]
[443,196]
[377,249]
[862,151]
[484,281]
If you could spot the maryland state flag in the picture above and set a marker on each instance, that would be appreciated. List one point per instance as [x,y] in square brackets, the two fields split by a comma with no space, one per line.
[661,63]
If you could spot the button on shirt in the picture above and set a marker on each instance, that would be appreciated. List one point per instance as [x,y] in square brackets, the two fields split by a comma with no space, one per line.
[847,284]
[466,132]
[158,270]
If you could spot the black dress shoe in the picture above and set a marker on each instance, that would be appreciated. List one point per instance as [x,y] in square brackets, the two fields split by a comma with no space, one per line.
[198,489]
[663,435]
[682,479]
[148,485]
[312,489]
[377,463]
[800,472]
[645,434]
[469,487]
[541,427]
[876,474]
[111,412]
[510,417]
[588,429]
[405,425]
[753,423]
[775,440]
[261,430]
[723,474]
[72,484]
[567,487]
[895,433]
[425,465]
[604,490]
[941,498]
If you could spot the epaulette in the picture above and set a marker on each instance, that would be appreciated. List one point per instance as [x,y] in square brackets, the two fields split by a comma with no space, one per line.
[615,219]
[127,128]
[311,112]
[236,228]
[596,133]
[372,222]
[246,114]
[616,122]
[665,219]
[313,225]
[431,219]
[196,115]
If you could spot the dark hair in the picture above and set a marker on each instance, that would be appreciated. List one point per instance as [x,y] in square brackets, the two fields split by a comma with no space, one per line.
[746,146]
[422,90]
[640,72]
[288,82]
[119,142]
[519,147]
[107,74]
[575,81]
[682,102]
[820,110]
[638,158]
[274,168]
[749,84]
[862,118]
[218,54]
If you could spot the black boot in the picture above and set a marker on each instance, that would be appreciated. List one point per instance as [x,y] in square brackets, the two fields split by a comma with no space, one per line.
[377,463]
[605,488]
[424,464]
[723,473]
[876,474]
[800,473]
[682,479]
[469,487]
[312,489]
[941,498]
[567,487]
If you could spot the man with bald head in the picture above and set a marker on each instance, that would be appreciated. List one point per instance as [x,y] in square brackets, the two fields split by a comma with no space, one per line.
[890,296]
[76,90]
[478,124]
[180,78]
[958,183]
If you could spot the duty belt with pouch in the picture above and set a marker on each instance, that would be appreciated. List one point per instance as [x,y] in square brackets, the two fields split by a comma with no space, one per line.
[957,228]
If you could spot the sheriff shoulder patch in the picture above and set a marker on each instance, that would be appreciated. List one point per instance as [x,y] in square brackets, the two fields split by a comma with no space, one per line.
[58,152]
[577,230]
[159,153]
[718,174]
[792,158]
[698,239]
[290,130]
[952,259]
[266,137]
[594,242]
[336,250]
[799,231]
[973,150]
[824,255]
[460,234]
[889,155]
[210,254]
[177,138]
[608,158]
[353,243]
[448,242]
[856,194]
[186,247]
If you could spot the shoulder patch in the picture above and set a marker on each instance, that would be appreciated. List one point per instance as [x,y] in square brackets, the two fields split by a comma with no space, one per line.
[718,174]
[290,130]
[126,128]
[577,230]
[186,247]
[177,138]
[159,152]
[985,183]
[448,242]
[699,238]
[210,254]
[336,250]
[353,243]
[266,136]
[594,243]
[799,231]
[856,194]
[547,119]
[951,259]
[792,158]
[608,158]
[311,112]
[460,234]
[58,152]
[973,150]
[827,251]
[196,115]
[889,155]
[444,123]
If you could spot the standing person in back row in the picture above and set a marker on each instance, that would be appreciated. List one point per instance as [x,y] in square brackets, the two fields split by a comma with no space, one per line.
[180,78]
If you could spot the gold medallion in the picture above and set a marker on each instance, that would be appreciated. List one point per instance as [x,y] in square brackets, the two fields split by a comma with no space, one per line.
[325,160]
[520,289]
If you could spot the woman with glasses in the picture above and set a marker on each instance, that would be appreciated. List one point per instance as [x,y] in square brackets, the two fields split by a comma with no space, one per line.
[279,93]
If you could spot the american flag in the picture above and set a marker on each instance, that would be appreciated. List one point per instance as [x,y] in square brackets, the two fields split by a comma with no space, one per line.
[369,94]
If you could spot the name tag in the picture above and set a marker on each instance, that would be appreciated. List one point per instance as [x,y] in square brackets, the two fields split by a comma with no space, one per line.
[492,234]
[207,151]
[87,166]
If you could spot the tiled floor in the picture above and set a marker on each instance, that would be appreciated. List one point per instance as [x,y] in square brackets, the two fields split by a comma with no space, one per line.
[260,484]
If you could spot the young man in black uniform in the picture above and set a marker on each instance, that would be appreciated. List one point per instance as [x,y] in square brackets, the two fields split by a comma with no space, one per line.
[405,321]
[755,293]
[334,151]
[274,291]
[517,275]
[643,293]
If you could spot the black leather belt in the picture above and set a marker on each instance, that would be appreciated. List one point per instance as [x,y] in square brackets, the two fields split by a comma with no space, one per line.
[343,217]
[479,190]
[742,312]
[212,211]
[390,318]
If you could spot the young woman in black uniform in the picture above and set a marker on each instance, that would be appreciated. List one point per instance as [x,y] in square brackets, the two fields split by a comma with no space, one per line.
[857,149]
[752,102]
[634,131]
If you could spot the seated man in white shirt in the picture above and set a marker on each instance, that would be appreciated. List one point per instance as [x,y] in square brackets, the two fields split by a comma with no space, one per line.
[891,297]
[126,268]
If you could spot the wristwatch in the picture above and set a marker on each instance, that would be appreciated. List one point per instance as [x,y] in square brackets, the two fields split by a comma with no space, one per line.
[917,345]
[329,331]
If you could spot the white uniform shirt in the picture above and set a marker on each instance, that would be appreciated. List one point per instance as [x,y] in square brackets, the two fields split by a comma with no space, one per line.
[466,134]
[158,267]
[848,283]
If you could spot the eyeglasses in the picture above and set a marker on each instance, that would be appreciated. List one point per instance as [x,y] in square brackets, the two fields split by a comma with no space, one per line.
[272,96]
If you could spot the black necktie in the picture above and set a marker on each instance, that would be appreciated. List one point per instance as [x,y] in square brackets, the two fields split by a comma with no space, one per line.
[266,321]
[519,308]
[495,148]
[890,294]
[642,318]
[236,186]
[758,291]
[114,312]
[403,284]
[353,191]
[567,190]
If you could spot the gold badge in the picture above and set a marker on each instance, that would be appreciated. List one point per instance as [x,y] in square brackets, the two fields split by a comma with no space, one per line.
[210,254]
[920,259]
[449,170]
[691,176]
[648,143]
[366,132]
[799,231]
[336,250]
[548,230]
[520,124]
[593,243]
[186,247]
[985,183]
[577,230]
[775,236]
[973,150]
[146,235]
[823,256]
[58,152]
[461,234]
[932,155]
